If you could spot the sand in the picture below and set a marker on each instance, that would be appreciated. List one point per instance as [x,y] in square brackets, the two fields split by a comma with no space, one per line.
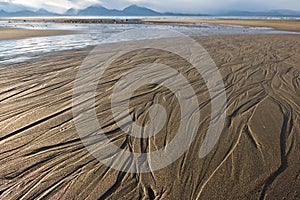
[285,25]
[12,33]
[257,156]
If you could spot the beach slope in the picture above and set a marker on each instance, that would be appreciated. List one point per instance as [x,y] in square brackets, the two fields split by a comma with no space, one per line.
[257,156]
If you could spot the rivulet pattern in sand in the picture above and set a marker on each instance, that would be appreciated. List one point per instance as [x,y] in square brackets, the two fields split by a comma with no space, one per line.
[257,156]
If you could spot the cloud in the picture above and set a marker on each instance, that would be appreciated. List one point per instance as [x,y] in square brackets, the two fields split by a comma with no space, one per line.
[58,6]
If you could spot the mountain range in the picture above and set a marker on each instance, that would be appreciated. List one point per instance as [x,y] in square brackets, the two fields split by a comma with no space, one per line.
[27,13]
[96,10]
[14,10]
[11,7]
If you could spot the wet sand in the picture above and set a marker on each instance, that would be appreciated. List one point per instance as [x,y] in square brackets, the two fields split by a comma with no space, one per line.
[257,156]
[12,33]
[284,25]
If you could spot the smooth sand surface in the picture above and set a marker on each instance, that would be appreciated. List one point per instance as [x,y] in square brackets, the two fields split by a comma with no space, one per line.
[257,156]
[12,33]
[285,25]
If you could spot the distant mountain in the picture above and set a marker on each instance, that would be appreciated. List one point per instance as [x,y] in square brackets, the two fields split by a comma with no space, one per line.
[8,9]
[284,12]
[3,13]
[102,11]
[11,7]
[14,10]
[98,11]
[140,11]
[71,11]
[27,13]
[44,12]
[271,13]
[132,10]
[23,13]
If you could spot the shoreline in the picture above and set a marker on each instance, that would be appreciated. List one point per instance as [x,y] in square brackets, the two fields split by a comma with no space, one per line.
[7,33]
[292,25]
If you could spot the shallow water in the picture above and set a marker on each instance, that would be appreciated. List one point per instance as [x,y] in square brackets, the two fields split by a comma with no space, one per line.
[14,51]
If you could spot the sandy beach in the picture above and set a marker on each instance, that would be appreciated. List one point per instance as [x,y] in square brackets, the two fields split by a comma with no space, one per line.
[14,33]
[257,156]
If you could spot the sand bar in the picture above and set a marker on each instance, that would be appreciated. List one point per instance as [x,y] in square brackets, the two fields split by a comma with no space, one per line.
[12,33]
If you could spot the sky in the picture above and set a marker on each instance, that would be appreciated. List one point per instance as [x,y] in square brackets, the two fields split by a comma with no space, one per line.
[183,6]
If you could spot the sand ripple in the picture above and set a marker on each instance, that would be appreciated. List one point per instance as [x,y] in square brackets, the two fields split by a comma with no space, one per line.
[257,156]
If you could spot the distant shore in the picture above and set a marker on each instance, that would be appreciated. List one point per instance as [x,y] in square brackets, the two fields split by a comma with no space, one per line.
[71,20]
[279,24]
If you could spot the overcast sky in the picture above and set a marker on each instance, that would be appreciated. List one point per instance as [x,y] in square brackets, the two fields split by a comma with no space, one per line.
[184,6]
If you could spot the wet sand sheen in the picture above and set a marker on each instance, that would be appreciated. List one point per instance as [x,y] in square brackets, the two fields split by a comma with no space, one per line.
[257,156]
[13,34]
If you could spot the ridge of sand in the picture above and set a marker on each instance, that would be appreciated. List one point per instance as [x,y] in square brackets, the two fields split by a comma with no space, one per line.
[14,33]
[257,156]
[284,25]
